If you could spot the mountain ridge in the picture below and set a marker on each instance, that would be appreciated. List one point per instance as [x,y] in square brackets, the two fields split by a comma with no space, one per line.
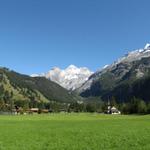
[132,67]
[70,78]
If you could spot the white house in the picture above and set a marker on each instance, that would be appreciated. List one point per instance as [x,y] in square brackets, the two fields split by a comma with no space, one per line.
[114,110]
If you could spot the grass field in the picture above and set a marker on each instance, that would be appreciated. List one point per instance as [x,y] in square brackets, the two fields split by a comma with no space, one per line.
[74,132]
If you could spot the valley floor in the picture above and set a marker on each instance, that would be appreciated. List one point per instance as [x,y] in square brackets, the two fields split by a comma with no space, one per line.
[75,132]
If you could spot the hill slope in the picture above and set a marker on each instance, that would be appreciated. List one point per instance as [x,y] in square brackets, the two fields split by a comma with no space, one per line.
[23,87]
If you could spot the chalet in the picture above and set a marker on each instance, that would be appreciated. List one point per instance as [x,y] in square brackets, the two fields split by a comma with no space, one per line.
[34,110]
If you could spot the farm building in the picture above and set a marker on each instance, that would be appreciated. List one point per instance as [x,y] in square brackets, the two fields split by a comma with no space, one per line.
[34,110]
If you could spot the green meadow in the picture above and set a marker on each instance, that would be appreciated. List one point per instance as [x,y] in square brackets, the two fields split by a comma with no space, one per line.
[75,132]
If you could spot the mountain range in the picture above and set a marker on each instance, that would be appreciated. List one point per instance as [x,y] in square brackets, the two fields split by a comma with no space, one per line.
[127,77]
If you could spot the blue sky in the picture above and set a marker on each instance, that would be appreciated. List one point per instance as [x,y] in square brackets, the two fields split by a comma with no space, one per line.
[36,35]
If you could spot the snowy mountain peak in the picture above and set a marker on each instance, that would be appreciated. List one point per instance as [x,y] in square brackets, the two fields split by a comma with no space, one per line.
[147,46]
[70,78]
[72,67]
[135,55]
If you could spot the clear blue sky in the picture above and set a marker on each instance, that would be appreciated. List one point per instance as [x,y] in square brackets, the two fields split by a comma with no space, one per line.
[36,35]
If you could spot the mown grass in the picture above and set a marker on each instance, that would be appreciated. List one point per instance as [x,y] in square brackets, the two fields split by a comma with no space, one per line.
[74,132]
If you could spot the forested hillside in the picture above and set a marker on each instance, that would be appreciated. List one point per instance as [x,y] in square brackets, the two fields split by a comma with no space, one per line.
[17,88]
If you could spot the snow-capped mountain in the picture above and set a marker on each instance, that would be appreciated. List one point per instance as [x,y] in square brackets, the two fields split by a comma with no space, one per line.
[70,78]
[135,55]
[119,68]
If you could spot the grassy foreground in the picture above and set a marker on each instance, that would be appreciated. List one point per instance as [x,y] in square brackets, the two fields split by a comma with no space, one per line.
[74,132]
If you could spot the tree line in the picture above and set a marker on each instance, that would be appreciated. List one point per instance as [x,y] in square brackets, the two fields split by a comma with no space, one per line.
[133,106]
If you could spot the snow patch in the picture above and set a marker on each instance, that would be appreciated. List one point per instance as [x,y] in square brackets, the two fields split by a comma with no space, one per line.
[147,46]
